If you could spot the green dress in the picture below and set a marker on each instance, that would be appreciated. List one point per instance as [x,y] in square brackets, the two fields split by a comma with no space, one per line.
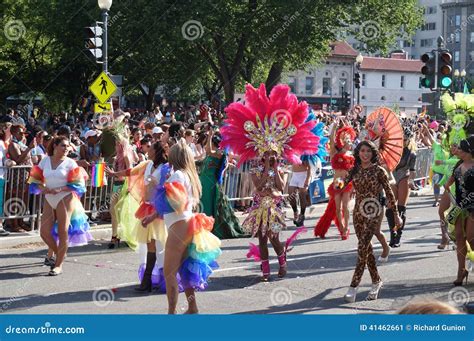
[215,204]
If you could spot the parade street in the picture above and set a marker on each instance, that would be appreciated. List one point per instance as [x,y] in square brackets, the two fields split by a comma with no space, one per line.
[101,281]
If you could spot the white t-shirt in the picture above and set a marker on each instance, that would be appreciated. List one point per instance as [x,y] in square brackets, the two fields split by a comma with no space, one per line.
[182,178]
[55,178]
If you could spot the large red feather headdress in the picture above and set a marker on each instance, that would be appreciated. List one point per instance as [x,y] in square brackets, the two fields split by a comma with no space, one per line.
[269,123]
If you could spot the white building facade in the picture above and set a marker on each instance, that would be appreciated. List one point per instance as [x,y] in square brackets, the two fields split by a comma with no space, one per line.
[391,82]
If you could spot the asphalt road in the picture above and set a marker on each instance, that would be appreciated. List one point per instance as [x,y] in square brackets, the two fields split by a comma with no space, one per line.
[101,281]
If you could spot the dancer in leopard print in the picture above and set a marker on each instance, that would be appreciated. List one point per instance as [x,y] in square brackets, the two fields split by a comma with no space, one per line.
[368,179]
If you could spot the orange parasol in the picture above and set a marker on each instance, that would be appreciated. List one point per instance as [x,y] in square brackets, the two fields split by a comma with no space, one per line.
[385,130]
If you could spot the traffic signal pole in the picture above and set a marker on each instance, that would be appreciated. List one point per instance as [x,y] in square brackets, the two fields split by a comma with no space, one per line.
[105,46]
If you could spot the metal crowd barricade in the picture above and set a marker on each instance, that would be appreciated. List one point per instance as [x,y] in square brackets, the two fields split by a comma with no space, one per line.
[237,184]
[424,158]
[17,203]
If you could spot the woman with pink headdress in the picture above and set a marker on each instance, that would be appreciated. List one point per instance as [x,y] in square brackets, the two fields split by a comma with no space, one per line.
[269,129]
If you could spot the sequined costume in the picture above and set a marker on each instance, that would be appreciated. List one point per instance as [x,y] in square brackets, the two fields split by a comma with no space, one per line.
[265,214]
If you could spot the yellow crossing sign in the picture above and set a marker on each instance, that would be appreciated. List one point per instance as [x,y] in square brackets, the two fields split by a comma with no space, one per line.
[103,88]
[105,107]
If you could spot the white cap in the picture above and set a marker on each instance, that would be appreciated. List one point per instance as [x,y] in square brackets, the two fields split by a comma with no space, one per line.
[157,130]
[91,133]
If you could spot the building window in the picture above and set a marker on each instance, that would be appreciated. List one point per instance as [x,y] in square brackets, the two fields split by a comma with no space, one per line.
[382,98]
[456,56]
[431,10]
[458,20]
[402,81]
[458,37]
[363,97]
[430,26]
[292,84]
[363,79]
[327,86]
[309,85]
[426,42]
[472,37]
[408,43]
[402,99]
[383,81]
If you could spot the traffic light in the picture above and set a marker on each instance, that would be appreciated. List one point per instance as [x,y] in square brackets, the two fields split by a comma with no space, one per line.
[429,70]
[93,40]
[445,69]
[347,100]
[357,80]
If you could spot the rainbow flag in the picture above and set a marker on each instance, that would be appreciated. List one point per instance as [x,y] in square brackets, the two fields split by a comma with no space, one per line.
[98,171]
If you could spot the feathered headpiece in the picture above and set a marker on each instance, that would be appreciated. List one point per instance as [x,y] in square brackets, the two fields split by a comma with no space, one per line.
[459,112]
[318,131]
[269,123]
[343,135]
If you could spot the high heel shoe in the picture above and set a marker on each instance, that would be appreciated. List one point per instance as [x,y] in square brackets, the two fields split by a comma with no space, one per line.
[351,294]
[458,282]
[114,241]
[374,292]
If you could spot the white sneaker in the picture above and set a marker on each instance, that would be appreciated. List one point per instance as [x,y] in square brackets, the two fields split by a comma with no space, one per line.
[350,297]
[374,292]
[384,259]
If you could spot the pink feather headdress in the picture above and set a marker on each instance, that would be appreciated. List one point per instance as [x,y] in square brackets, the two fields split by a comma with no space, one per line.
[269,123]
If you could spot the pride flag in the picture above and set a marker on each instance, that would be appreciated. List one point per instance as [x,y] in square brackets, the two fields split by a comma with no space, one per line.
[98,171]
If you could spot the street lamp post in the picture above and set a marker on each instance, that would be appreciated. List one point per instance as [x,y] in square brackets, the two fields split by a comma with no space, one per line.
[459,79]
[359,60]
[105,5]
[342,95]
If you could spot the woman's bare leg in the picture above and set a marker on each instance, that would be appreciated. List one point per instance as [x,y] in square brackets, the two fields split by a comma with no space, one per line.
[63,212]
[175,249]
[47,222]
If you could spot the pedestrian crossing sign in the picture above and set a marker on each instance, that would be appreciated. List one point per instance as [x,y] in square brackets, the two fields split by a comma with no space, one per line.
[102,107]
[103,88]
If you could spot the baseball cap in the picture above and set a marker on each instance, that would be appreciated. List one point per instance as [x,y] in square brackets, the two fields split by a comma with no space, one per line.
[157,130]
[91,133]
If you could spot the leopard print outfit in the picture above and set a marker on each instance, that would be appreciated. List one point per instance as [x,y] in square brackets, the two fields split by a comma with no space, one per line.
[368,214]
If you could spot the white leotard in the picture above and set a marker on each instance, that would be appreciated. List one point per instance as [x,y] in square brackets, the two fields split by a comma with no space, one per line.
[55,178]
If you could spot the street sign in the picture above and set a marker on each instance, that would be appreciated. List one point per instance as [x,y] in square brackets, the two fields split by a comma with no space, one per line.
[105,107]
[103,88]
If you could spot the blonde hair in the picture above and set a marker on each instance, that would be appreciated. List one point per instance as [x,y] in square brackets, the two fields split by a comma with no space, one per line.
[428,307]
[181,158]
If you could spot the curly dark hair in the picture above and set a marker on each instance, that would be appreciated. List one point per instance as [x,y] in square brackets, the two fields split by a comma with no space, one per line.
[357,164]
